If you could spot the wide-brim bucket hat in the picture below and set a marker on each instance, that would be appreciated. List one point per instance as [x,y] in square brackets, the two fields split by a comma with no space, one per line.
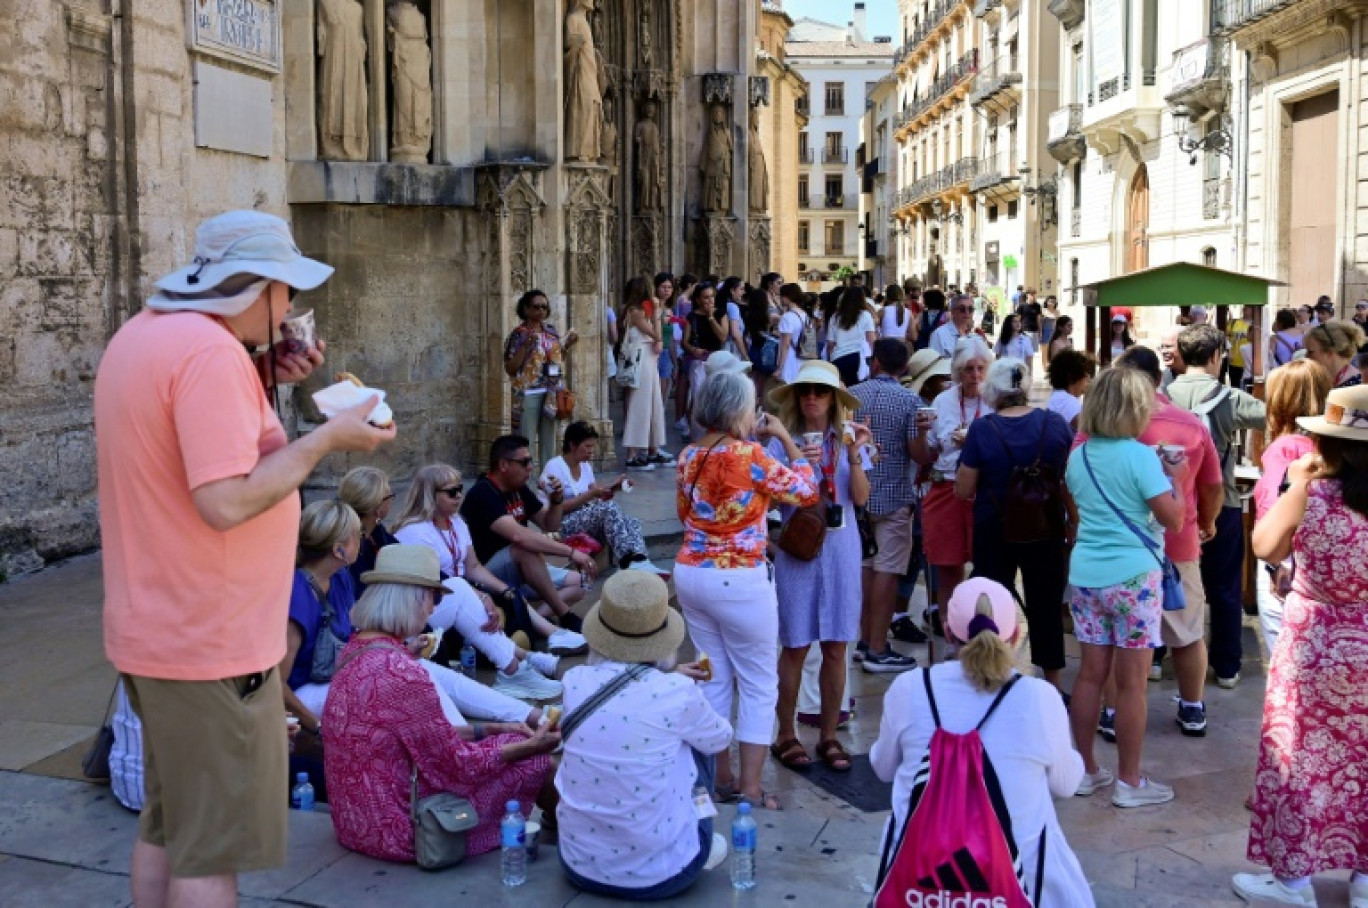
[633,621]
[237,244]
[412,565]
[1346,415]
[816,372]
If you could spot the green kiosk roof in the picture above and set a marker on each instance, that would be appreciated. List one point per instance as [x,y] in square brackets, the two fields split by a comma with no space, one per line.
[1179,284]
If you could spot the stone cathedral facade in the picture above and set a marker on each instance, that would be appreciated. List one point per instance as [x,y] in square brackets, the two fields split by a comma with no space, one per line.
[444,155]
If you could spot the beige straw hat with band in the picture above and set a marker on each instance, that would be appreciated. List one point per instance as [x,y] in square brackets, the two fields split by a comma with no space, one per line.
[1346,415]
[924,365]
[816,372]
[413,565]
[633,621]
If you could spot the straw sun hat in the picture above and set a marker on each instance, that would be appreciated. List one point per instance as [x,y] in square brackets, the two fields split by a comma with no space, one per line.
[816,372]
[633,621]
[414,565]
[1346,415]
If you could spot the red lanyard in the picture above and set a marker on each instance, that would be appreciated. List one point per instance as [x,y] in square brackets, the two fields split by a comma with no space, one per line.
[964,416]
[829,466]
[452,547]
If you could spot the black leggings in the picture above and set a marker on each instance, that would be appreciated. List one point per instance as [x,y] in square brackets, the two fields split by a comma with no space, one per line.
[1044,574]
[849,367]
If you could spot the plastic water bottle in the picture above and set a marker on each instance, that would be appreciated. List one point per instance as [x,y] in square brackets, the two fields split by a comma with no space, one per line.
[743,848]
[468,660]
[302,795]
[513,837]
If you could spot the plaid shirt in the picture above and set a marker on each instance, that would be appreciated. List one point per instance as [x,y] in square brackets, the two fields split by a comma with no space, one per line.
[892,412]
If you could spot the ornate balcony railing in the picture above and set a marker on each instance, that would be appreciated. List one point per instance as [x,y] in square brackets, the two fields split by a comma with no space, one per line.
[835,201]
[805,156]
[835,155]
[993,172]
[946,82]
[1228,15]
[961,173]
[1002,73]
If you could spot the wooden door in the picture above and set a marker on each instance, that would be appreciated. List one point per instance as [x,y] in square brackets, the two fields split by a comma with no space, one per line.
[1137,222]
[1311,209]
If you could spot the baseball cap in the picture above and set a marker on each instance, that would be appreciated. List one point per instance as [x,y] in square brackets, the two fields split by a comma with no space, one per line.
[964,615]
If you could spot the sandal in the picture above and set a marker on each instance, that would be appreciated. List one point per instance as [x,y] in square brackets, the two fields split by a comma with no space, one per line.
[724,793]
[766,801]
[834,755]
[791,755]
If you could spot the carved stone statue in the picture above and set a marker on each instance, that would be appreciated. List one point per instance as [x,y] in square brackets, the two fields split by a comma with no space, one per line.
[717,164]
[650,180]
[583,94]
[757,172]
[608,137]
[645,40]
[411,62]
[343,132]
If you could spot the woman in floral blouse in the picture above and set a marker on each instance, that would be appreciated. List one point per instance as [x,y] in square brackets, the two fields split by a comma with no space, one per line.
[384,721]
[534,357]
[725,585]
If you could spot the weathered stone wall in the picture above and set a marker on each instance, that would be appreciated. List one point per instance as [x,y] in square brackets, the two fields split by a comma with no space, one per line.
[56,286]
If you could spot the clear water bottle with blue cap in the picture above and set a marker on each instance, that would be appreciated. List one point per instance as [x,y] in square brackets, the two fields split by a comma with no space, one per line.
[302,795]
[468,660]
[744,834]
[513,838]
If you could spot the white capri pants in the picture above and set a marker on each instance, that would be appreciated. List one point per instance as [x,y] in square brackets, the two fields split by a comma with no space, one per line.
[460,697]
[1270,609]
[462,609]
[733,616]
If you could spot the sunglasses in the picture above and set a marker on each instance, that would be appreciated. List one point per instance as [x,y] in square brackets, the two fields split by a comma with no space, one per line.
[964,308]
[451,491]
[523,462]
[812,391]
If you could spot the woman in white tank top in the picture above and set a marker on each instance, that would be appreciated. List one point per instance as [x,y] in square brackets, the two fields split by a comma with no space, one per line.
[896,318]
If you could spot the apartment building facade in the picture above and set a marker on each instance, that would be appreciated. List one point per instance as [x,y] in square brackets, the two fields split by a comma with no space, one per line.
[1145,137]
[1297,68]
[782,121]
[840,68]
[876,158]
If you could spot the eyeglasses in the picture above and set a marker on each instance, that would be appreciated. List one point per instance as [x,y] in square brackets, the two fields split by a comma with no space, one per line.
[964,308]
[812,391]
[523,462]
[451,491]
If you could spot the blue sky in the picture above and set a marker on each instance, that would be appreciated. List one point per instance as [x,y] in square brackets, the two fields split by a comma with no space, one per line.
[881,15]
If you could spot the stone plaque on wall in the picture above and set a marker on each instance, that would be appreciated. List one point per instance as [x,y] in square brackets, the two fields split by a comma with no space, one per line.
[232,111]
[244,31]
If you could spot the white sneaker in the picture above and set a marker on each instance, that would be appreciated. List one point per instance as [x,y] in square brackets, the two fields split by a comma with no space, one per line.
[545,663]
[1358,894]
[1156,671]
[1228,683]
[1094,781]
[718,853]
[566,643]
[527,683]
[1148,792]
[645,564]
[1266,887]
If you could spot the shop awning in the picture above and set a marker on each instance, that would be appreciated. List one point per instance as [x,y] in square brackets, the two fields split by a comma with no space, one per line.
[1179,284]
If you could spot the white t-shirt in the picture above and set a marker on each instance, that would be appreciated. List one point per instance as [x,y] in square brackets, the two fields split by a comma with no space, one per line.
[1033,768]
[450,545]
[848,340]
[733,320]
[889,326]
[944,338]
[791,323]
[1066,405]
[1019,347]
[626,780]
[558,468]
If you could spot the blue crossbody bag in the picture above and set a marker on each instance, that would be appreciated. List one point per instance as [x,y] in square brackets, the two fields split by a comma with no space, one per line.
[1174,599]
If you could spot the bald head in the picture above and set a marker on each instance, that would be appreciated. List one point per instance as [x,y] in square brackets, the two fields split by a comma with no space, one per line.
[1168,351]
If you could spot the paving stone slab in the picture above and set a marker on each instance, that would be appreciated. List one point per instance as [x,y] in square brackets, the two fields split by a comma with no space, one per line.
[23,743]
[72,823]
[26,883]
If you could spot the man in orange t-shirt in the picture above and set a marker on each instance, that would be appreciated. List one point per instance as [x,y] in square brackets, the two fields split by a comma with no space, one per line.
[199,515]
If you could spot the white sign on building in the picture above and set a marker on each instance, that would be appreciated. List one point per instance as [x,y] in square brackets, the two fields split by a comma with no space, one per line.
[245,31]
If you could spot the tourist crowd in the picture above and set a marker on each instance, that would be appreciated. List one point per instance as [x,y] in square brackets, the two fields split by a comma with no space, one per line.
[836,450]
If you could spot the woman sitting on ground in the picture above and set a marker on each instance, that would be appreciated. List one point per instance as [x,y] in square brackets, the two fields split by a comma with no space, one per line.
[635,835]
[589,507]
[323,597]
[367,490]
[429,516]
[1028,743]
[1070,372]
[385,722]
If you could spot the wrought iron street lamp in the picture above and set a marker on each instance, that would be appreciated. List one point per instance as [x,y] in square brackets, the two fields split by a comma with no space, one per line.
[1184,127]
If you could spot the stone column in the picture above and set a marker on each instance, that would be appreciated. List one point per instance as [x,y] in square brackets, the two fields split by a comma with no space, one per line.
[590,217]
[510,197]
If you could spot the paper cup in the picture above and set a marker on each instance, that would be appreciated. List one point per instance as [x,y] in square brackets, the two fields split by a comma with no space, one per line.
[1172,453]
[297,329]
[812,439]
[531,835]
[292,723]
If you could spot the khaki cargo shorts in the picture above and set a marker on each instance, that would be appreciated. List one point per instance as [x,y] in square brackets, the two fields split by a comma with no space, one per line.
[1188,625]
[216,772]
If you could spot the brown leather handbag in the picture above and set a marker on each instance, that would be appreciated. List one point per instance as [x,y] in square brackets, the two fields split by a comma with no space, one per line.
[803,533]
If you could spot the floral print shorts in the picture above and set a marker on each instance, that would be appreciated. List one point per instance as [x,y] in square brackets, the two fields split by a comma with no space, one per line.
[1127,614]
